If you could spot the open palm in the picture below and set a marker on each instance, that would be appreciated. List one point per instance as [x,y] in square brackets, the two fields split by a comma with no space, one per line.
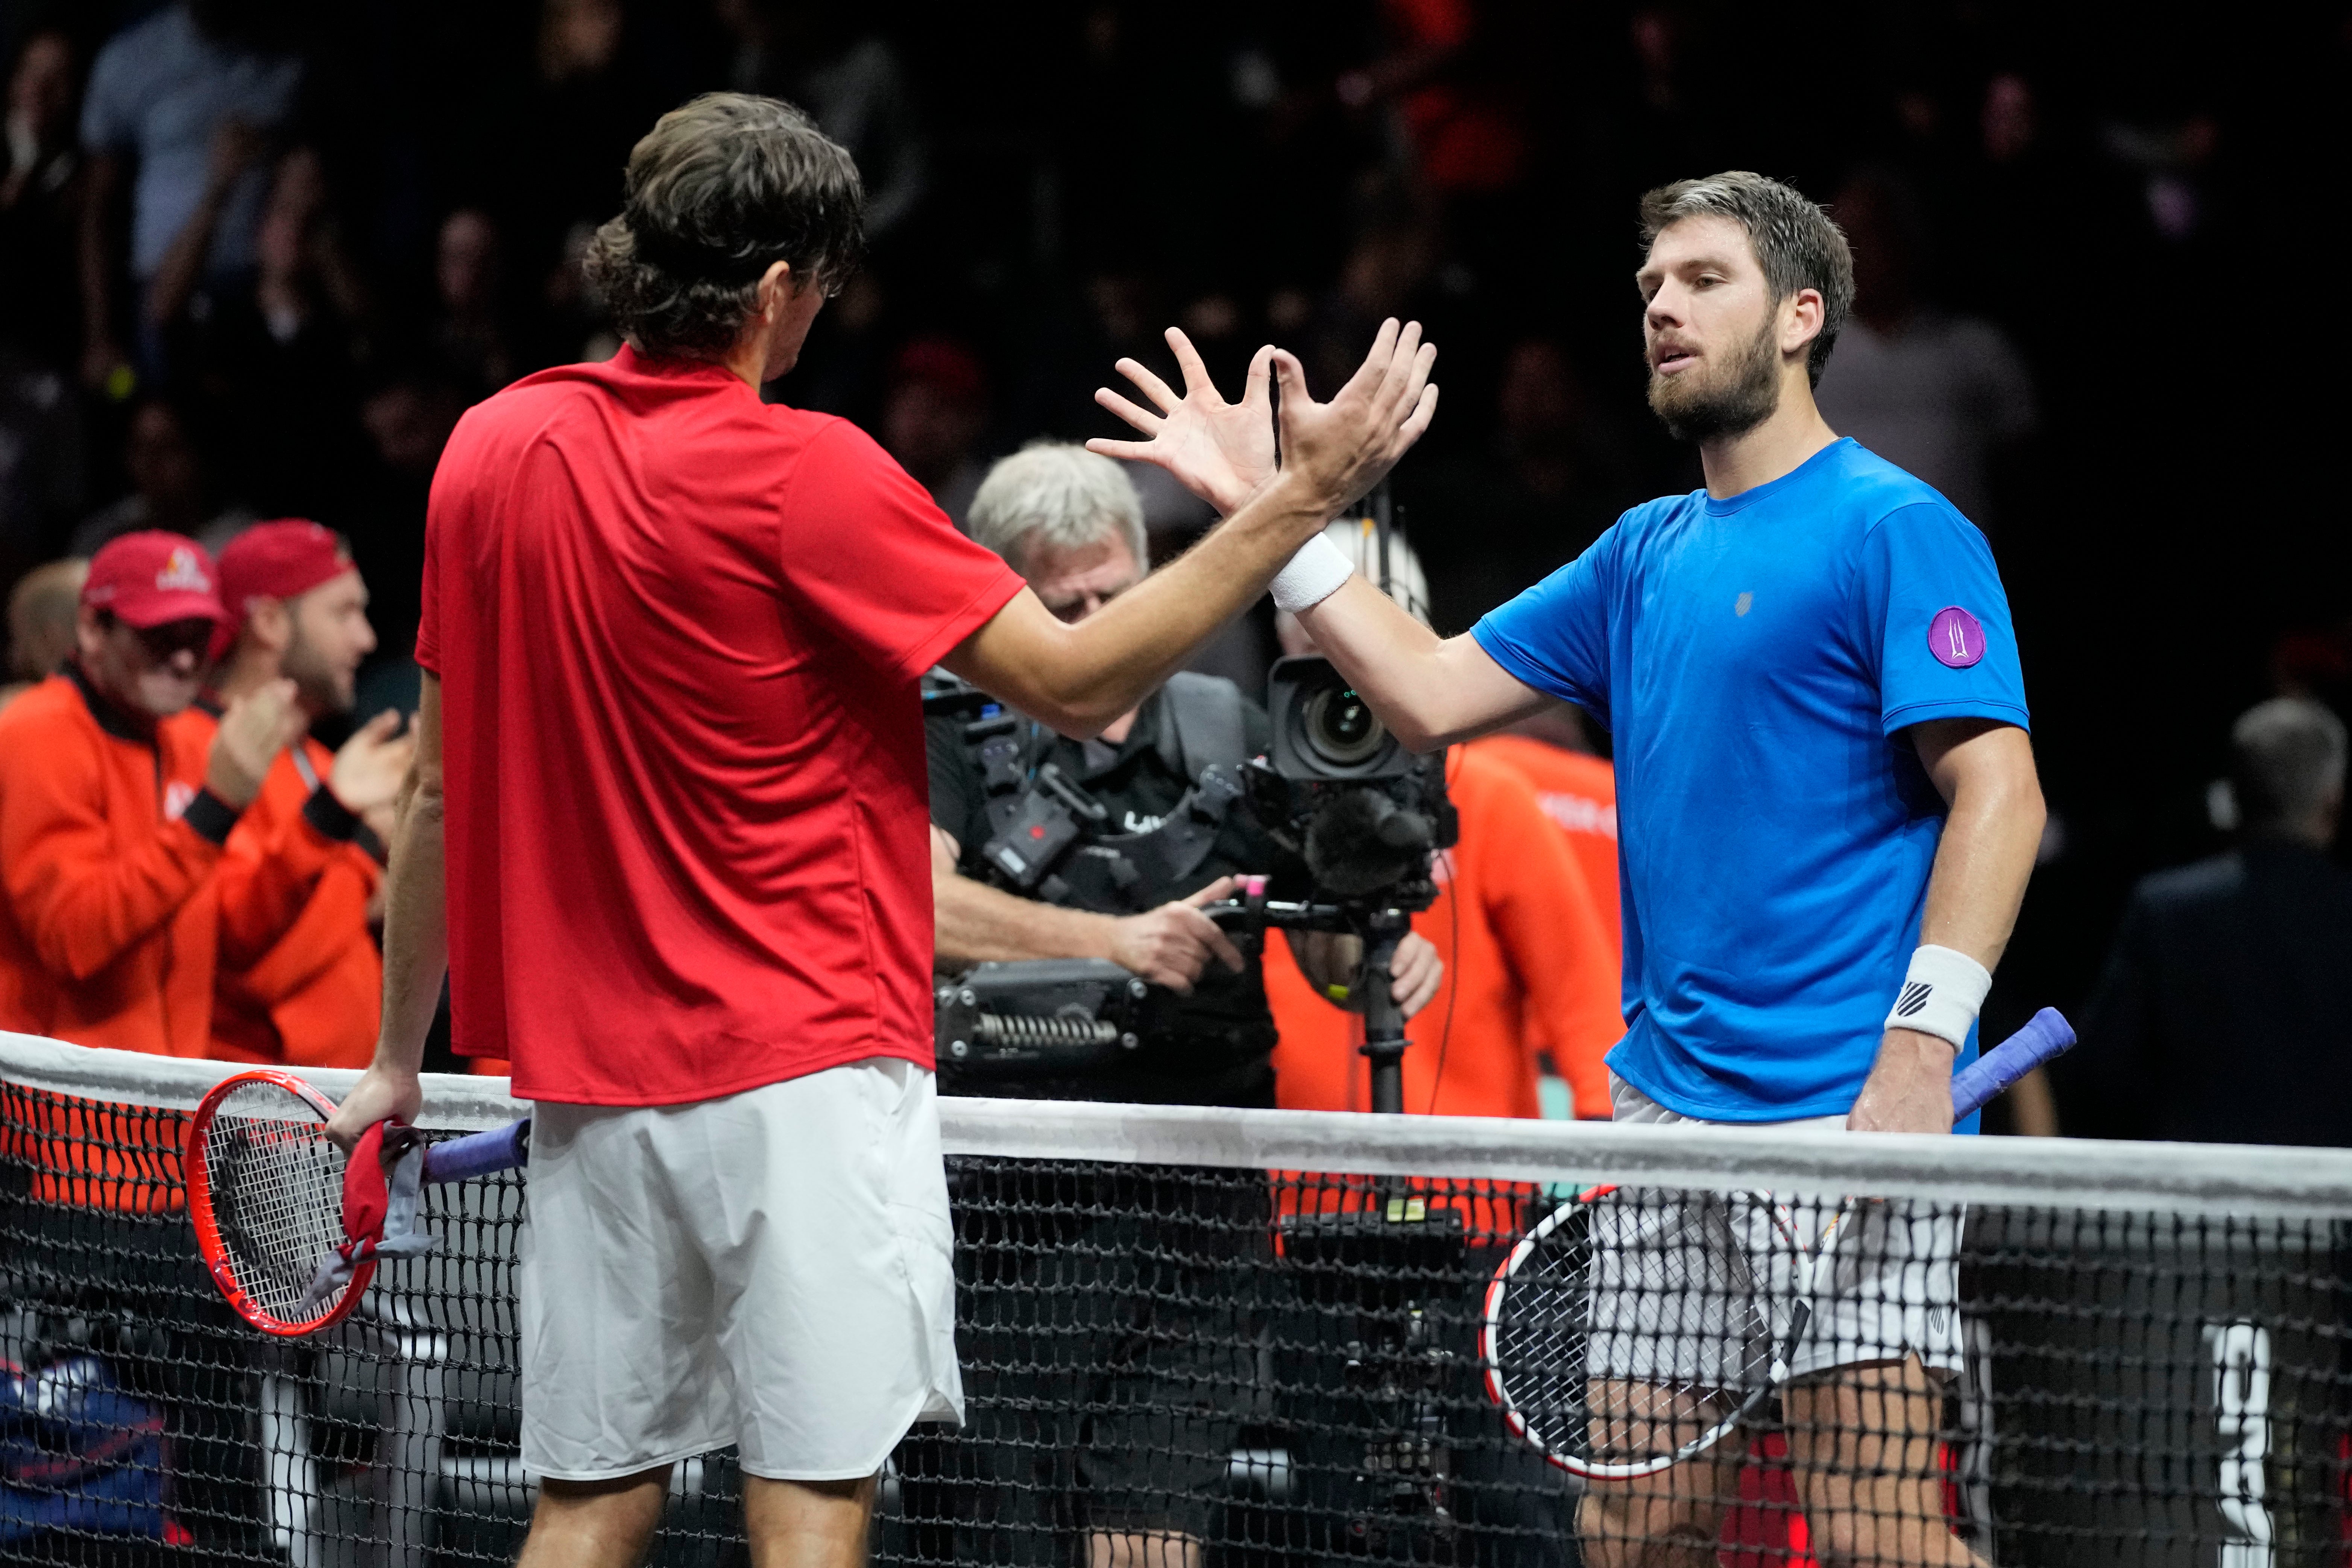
[1220,451]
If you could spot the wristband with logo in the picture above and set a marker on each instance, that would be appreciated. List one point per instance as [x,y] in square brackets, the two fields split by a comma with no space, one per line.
[1941,994]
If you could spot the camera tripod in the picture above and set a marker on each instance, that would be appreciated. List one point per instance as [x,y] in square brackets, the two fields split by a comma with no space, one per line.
[1379,1265]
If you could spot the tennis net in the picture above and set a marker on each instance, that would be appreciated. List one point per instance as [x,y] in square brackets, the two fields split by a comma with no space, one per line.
[1203,1337]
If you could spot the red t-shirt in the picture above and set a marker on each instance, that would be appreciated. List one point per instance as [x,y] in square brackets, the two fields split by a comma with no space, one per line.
[678,633]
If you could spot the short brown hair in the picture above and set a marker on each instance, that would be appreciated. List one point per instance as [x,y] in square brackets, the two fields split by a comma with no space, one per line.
[1796,242]
[719,190]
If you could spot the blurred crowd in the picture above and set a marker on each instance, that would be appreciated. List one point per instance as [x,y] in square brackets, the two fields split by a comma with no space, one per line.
[257,256]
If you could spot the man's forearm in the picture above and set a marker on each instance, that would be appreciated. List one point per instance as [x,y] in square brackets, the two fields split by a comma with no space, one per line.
[980,924]
[415,932]
[1431,692]
[1078,679]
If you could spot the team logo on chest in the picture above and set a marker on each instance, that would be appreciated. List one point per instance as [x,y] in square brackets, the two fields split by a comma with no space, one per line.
[1956,637]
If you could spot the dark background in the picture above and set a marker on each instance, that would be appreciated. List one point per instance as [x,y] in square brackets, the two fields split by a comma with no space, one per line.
[2148,209]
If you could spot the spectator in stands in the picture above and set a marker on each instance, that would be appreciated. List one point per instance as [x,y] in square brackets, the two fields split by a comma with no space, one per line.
[408,420]
[301,980]
[41,610]
[180,106]
[40,206]
[1070,523]
[114,811]
[40,461]
[280,360]
[470,333]
[932,418]
[2225,1012]
[578,116]
[1939,395]
[170,485]
[850,81]
[1528,967]
[1497,519]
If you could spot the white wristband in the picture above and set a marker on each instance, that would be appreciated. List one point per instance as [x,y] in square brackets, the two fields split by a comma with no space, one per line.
[1313,575]
[1941,993]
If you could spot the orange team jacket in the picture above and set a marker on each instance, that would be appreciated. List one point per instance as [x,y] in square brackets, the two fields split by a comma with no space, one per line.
[1578,792]
[107,849]
[1527,967]
[109,846]
[300,982]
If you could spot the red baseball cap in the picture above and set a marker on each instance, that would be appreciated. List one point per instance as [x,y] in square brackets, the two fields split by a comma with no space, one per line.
[277,559]
[152,578]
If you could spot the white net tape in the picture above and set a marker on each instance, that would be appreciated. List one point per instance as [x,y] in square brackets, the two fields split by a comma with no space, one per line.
[2177,1178]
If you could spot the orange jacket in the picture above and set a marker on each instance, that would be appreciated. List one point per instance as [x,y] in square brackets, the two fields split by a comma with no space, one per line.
[109,844]
[1579,793]
[300,982]
[1526,967]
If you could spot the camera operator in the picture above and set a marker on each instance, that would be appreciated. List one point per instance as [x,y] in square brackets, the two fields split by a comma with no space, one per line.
[1072,525]
[1139,1484]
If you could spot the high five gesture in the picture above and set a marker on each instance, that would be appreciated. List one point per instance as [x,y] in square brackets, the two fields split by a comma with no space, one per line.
[1224,452]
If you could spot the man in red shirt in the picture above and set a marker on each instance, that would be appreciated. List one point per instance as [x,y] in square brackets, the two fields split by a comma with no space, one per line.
[299,980]
[668,833]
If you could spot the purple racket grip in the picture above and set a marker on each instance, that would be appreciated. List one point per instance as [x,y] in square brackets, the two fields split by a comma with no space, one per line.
[2046,1035]
[479,1154]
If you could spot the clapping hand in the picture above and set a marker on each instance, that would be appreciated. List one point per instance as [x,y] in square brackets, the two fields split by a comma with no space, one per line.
[253,730]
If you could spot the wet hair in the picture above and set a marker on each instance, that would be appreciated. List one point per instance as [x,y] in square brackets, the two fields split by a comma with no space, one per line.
[718,190]
[1795,241]
[2286,756]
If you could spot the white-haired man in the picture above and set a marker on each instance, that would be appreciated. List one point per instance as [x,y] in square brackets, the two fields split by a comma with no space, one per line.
[1827,801]
[1130,890]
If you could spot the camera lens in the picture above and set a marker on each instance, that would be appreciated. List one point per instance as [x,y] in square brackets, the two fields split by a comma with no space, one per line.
[1341,729]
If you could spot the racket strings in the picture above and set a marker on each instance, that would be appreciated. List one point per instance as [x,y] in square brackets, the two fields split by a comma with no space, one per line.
[278,1187]
[1638,1327]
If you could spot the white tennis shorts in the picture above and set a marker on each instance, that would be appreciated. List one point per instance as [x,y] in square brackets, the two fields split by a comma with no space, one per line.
[1890,1289]
[770,1269]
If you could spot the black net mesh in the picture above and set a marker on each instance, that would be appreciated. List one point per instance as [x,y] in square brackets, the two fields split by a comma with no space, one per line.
[1176,1365]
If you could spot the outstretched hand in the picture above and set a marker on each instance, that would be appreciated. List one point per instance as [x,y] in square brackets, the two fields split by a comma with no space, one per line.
[1223,452]
[1220,451]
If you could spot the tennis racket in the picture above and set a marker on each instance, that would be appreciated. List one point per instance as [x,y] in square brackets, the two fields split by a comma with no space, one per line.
[265,1196]
[1663,1290]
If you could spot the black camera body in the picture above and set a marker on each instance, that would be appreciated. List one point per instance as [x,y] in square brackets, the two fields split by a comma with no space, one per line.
[1366,814]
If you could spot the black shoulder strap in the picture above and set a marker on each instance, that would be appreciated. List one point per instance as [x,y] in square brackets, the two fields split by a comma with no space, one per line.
[1201,724]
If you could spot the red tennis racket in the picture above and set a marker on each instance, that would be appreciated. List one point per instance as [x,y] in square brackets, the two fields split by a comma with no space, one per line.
[266,1192]
[290,1239]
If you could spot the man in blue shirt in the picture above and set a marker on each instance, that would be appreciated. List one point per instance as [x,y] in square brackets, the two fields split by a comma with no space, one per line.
[1827,804]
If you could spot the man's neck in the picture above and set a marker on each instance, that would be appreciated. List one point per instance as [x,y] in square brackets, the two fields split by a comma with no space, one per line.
[1778,447]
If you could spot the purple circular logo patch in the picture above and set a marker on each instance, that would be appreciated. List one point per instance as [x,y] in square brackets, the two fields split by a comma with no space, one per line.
[1954,637]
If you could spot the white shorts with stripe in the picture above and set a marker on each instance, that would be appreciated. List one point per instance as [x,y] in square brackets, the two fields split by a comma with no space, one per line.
[1890,1289]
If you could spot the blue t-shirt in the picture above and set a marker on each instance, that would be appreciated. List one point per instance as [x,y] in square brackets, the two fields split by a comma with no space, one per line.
[1754,659]
[158,91]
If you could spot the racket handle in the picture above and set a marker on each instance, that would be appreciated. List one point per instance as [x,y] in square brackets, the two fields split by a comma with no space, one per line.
[479,1153]
[2046,1035]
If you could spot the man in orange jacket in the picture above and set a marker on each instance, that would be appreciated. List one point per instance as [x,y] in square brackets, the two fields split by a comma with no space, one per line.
[300,981]
[114,811]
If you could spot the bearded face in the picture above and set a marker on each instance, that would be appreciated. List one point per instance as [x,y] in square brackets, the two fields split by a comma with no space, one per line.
[1720,394]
